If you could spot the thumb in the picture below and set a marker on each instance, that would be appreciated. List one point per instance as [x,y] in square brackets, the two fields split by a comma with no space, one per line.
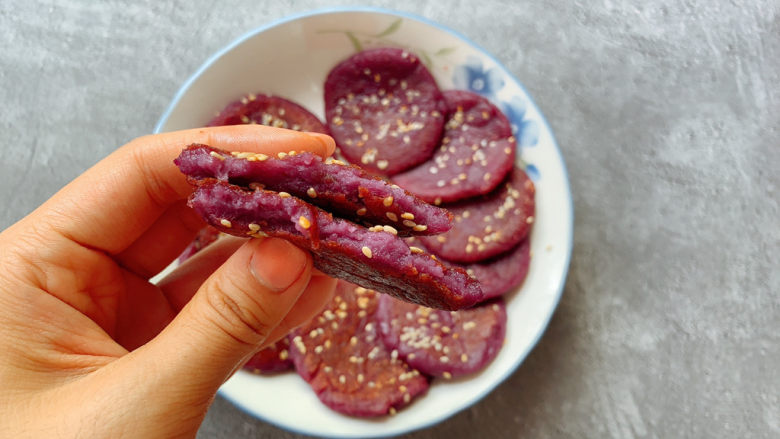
[231,314]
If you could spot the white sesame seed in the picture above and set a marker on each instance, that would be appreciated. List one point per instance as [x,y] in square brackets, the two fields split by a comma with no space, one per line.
[367,251]
[304,222]
[216,155]
[407,215]
[388,201]
[311,192]
[226,223]
[392,216]
[284,195]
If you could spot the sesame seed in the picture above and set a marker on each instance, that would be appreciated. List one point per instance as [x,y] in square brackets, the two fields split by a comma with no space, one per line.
[244,119]
[382,164]
[420,228]
[407,398]
[392,216]
[469,325]
[445,329]
[408,223]
[282,155]
[411,356]
[367,251]
[225,223]
[437,201]
[464,358]
[311,192]
[216,155]
[388,201]
[304,222]
[444,359]
[298,342]
[342,379]
[353,340]
[390,229]
[529,220]
[318,349]
[392,411]
[284,195]
[361,211]
[446,375]
[284,354]
[407,215]
[416,250]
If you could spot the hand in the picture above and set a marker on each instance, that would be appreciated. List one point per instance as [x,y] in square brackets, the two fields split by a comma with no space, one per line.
[90,348]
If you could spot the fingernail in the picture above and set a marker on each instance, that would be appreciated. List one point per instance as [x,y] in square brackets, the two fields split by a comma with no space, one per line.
[327,142]
[277,264]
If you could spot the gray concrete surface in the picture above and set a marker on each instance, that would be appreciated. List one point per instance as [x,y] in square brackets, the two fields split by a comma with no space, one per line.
[667,115]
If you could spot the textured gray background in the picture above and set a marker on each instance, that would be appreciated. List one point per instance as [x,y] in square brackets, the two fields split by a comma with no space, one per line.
[667,116]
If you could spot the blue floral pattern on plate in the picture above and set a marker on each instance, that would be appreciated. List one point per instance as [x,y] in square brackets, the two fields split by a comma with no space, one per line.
[474,77]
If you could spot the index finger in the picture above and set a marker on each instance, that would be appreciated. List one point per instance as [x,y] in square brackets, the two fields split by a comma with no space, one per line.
[114,202]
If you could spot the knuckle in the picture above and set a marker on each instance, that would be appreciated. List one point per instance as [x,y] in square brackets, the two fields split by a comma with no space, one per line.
[236,313]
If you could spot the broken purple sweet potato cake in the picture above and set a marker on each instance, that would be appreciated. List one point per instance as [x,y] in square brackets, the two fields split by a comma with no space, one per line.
[373,258]
[268,110]
[476,152]
[340,355]
[344,190]
[384,110]
[272,359]
[441,343]
[488,225]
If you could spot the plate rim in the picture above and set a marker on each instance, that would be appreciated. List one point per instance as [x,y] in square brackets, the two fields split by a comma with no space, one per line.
[566,183]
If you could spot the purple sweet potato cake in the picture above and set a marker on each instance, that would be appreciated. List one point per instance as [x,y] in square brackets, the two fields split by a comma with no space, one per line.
[488,225]
[268,110]
[384,110]
[499,274]
[373,258]
[205,236]
[341,189]
[340,355]
[476,152]
[272,359]
[442,343]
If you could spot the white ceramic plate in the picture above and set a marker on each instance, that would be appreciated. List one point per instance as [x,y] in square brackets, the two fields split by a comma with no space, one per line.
[291,58]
